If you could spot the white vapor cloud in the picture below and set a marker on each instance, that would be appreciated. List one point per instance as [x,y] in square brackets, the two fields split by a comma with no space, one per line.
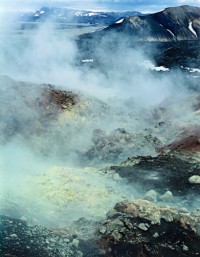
[121,93]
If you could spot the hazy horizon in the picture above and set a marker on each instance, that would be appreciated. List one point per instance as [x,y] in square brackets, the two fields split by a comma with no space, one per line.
[114,5]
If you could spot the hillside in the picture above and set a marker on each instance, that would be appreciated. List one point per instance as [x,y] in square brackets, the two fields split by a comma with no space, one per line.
[172,24]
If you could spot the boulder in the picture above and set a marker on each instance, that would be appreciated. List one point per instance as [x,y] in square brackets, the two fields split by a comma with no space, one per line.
[141,228]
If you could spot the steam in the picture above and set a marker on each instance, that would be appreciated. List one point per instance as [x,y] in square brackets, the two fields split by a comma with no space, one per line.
[124,88]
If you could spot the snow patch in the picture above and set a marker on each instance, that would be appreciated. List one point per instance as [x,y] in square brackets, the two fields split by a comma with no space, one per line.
[119,21]
[191,69]
[161,68]
[87,60]
[41,12]
[194,70]
[78,14]
[171,32]
[91,14]
[191,29]
[150,66]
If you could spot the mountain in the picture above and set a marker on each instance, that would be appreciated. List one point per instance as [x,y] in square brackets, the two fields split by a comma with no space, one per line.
[170,37]
[172,24]
[75,16]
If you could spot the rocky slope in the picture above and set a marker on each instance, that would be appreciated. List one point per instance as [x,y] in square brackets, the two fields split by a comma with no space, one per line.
[169,37]
[21,239]
[44,117]
[45,112]
[21,110]
[63,125]
[140,228]
[131,228]
[172,24]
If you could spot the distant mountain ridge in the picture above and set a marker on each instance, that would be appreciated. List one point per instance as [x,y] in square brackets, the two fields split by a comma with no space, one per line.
[170,37]
[172,24]
[64,15]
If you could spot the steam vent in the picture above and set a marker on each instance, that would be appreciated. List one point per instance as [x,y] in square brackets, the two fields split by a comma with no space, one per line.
[99,129]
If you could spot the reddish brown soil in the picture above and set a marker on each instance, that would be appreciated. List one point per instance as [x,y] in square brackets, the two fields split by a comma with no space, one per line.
[189,142]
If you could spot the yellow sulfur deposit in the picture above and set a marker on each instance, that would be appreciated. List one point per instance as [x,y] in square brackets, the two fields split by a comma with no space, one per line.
[65,189]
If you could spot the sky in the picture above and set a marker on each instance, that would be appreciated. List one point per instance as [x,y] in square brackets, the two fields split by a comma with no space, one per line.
[117,5]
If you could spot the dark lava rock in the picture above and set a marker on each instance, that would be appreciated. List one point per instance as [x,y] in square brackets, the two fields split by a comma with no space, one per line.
[176,54]
[132,228]
[165,172]
[20,239]
[23,239]
[140,228]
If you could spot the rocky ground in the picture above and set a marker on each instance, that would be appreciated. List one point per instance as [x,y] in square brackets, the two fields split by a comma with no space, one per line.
[34,110]
[176,168]
[132,228]
[111,175]
[140,228]
[158,165]
[19,238]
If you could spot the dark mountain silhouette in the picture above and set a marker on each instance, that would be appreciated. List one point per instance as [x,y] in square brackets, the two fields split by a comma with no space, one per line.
[172,24]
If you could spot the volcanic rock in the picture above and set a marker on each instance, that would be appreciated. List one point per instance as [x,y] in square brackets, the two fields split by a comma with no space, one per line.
[29,106]
[132,228]
[140,228]
[46,116]
[167,172]
[21,239]
[118,145]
